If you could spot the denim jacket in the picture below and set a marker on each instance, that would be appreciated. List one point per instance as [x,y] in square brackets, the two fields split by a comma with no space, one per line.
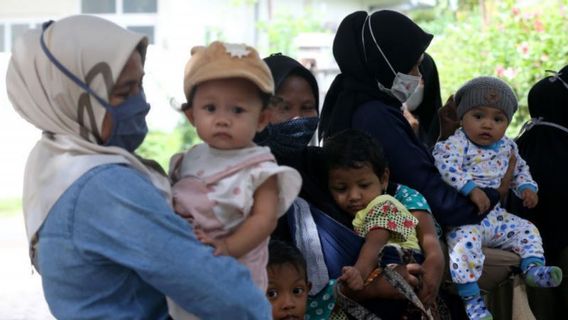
[112,248]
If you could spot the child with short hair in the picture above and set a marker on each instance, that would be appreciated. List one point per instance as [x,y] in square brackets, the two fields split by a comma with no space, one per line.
[391,217]
[477,156]
[231,190]
[288,284]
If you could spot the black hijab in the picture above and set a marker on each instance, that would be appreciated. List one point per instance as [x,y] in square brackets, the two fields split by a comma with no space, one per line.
[548,98]
[283,66]
[545,149]
[361,66]
[427,111]
[308,161]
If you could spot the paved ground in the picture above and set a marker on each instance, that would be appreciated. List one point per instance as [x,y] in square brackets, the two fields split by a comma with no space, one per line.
[21,297]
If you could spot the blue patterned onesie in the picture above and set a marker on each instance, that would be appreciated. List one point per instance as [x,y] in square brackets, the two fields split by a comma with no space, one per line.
[465,165]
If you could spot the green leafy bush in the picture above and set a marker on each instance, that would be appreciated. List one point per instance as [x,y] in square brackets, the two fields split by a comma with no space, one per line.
[513,42]
[160,146]
[283,28]
[10,206]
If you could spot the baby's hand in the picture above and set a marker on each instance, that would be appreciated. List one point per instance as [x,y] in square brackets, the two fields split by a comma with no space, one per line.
[530,198]
[412,120]
[352,277]
[480,199]
[218,244]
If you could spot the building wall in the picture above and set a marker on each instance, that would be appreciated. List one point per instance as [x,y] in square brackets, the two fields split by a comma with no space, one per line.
[178,25]
[25,9]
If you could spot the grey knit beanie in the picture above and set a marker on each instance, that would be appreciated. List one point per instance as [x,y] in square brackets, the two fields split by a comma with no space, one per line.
[486,92]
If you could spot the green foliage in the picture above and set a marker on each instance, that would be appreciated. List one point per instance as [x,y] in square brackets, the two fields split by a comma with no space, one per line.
[188,134]
[238,3]
[283,28]
[160,146]
[514,43]
[9,206]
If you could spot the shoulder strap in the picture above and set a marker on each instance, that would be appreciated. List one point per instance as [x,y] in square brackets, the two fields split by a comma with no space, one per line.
[539,122]
[256,159]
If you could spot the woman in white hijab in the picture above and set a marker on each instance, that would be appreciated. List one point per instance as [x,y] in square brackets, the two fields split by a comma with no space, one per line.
[100,228]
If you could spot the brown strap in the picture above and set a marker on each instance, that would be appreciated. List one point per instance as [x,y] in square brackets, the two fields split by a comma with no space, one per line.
[400,284]
[351,307]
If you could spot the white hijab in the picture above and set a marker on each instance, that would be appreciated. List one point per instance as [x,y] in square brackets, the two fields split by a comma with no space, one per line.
[95,51]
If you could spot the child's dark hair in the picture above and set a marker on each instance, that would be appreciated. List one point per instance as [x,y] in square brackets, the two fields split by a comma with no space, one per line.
[351,149]
[265,98]
[280,253]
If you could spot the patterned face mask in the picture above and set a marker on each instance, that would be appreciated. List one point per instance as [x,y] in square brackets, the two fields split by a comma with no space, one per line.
[288,136]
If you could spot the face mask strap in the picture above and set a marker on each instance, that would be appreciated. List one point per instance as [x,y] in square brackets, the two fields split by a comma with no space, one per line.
[556,76]
[64,70]
[368,18]
[379,47]
[363,37]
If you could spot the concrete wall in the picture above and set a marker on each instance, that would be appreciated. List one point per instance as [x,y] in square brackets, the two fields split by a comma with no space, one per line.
[16,9]
[179,25]
[17,138]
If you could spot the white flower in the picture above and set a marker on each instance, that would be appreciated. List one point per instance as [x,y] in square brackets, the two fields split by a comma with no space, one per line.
[236,49]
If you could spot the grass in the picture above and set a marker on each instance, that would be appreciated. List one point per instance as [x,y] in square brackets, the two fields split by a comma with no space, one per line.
[10,206]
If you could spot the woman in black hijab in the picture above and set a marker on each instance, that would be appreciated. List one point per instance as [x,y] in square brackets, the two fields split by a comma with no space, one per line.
[373,53]
[296,88]
[424,104]
[293,124]
[288,138]
[544,146]
[379,57]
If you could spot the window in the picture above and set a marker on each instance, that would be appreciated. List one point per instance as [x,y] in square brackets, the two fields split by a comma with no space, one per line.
[2,48]
[148,31]
[139,6]
[136,15]
[98,6]
[17,31]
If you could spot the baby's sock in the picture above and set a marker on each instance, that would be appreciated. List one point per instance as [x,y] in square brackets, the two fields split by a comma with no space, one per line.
[543,276]
[476,309]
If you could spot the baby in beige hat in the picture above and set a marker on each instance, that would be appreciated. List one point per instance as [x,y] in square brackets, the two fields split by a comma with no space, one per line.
[229,189]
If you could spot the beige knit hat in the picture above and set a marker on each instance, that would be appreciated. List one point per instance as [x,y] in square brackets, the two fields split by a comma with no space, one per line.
[222,60]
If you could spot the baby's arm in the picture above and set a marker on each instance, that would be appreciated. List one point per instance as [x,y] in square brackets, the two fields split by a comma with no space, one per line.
[434,257]
[367,260]
[259,224]
[449,156]
[523,184]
